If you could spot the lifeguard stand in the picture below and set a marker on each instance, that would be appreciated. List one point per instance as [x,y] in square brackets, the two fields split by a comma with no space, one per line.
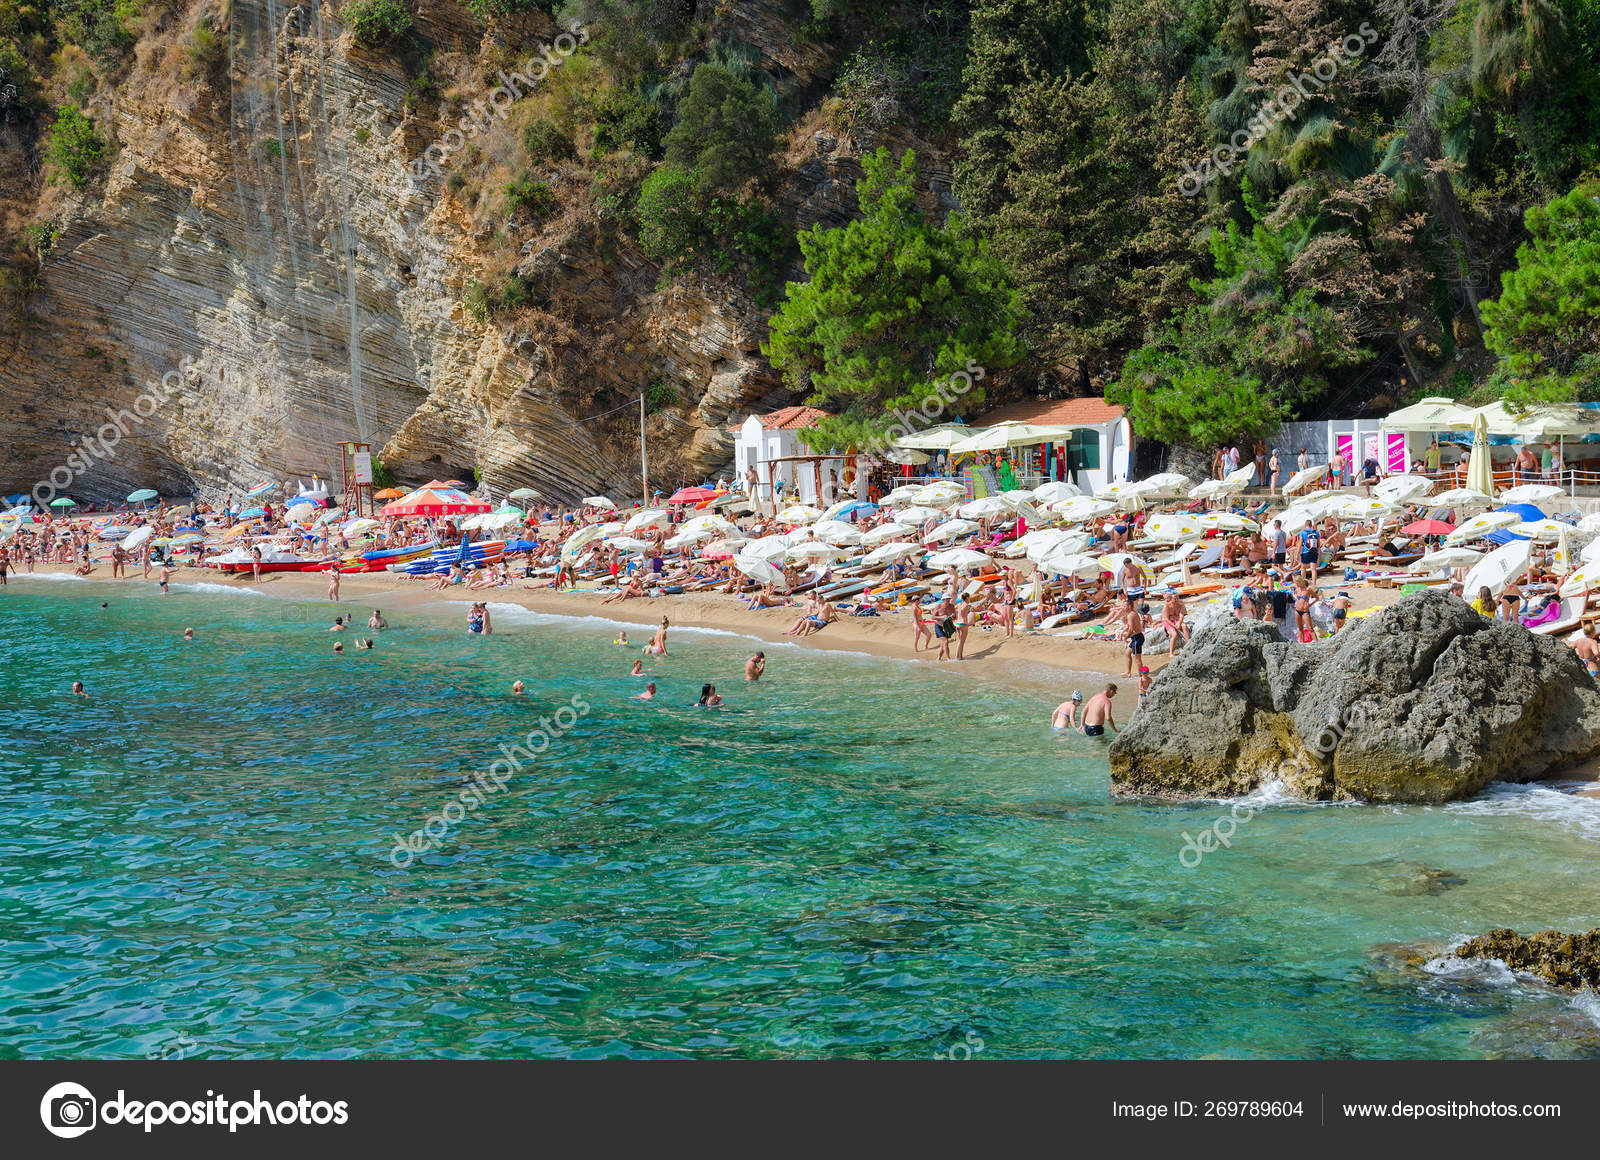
[355,467]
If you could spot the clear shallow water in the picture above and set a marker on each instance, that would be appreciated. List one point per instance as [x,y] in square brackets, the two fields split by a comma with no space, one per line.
[855,857]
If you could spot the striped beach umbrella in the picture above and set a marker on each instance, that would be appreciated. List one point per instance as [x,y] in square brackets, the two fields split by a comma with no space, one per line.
[260,490]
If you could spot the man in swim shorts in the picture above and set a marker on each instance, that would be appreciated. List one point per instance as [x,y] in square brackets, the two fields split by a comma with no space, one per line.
[1097,713]
[1587,647]
[1135,623]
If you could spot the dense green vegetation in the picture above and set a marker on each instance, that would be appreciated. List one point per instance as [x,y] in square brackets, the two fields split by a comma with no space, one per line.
[1221,213]
[894,304]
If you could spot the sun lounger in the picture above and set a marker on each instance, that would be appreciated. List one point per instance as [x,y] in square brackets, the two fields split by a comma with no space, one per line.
[1570,617]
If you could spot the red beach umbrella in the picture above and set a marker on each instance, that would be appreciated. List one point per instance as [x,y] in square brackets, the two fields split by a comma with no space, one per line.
[1428,528]
[692,495]
[435,499]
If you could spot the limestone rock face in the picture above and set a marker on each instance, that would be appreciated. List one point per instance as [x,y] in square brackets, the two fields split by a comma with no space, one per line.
[255,219]
[1424,701]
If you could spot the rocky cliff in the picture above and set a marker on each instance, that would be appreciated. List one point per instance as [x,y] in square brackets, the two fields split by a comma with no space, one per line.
[1423,701]
[261,231]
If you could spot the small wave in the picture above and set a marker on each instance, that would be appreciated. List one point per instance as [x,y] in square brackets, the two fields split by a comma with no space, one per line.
[1552,802]
[225,589]
[517,613]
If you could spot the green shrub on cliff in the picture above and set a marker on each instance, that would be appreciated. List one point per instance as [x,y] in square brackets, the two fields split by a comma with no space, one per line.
[377,22]
[727,130]
[76,146]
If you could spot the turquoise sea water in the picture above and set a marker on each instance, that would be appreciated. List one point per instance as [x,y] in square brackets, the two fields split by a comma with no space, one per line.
[853,858]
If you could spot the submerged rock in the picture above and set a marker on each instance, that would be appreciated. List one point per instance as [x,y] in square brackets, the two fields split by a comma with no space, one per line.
[1567,960]
[1423,701]
[1411,878]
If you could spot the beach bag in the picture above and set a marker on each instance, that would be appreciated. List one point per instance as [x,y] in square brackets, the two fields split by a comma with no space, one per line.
[948,626]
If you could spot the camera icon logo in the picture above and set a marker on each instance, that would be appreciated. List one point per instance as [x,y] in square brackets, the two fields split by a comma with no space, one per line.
[68,1110]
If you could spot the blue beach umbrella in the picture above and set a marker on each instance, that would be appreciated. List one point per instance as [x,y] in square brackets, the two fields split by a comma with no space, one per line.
[18,498]
[1526,511]
[861,507]
[252,514]
[144,493]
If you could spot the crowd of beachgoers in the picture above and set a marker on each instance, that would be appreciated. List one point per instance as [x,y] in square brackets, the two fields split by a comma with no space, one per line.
[1139,566]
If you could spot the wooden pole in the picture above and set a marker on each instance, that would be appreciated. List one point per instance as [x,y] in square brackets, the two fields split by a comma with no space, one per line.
[644,463]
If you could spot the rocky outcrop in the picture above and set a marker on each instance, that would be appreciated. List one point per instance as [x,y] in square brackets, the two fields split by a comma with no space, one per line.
[1567,960]
[259,224]
[1424,701]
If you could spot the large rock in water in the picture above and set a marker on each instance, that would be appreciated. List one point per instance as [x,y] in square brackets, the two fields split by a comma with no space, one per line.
[1423,701]
[1567,960]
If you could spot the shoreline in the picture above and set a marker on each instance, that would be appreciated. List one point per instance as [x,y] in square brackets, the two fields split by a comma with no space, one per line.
[1036,661]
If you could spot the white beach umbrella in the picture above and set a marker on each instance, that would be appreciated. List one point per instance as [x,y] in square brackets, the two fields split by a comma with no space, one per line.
[1019,495]
[1402,488]
[628,544]
[942,489]
[1590,523]
[902,496]
[1448,558]
[1532,493]
[799,514]
[1590,553]
[960,558]
[711,523]
[1083,508]
[1113,562]
[766,548]
[649,518]
[1545,531]
[762,571]
[799,535]
[598,501]
[1225,521]
[986,508]
[1464,498]
[1175,526]
[137,537]
[917,514]
[1035,543]
[1480,526]
[1242,476]
[1304,478]
[1072,564]
[1114,489]
[883,533]
[1214,488]
[889,553]
[836,532]
[815,550]
[357,526]
[1359,507]
[1055,491]
[688,539]
[579,540]
[1585,579]
[1164,483]
[1498,568]
[950,530]
[1301,515]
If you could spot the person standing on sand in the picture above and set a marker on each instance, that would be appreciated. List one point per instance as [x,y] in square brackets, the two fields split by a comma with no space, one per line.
[963,626]
[1066,714]
[1097,713]
[920,628]
[1135,626]
[333,584]
[755,666]
[255,565]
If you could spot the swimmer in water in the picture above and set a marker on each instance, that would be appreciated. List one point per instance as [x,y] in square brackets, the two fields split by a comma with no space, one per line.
[622,639]
[517,688]
[638,669]
[755,666]
[648,694]
[338,624]
[338,646]
[376,621]
[188,634]
[708,697]
[363,642]
[77,689]
[1066,714]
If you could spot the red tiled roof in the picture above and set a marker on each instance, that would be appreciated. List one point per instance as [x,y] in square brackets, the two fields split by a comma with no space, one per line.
[790,418]
[1053,411]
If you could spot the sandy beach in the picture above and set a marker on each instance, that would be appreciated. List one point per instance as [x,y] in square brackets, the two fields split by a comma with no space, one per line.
[1052,664]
